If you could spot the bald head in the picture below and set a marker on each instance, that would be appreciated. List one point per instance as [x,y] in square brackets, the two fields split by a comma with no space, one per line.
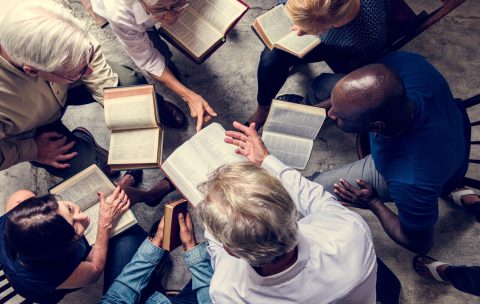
[367,94]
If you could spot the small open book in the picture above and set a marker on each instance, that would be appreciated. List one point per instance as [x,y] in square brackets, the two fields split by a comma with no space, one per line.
[202,26]
[191,163]
[290,130]
[137,138]
[82,189]
[274,30]
[171,230]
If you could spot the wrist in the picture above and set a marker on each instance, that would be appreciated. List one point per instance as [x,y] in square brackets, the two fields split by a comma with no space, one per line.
[374,204]
[188,246]
[157,242]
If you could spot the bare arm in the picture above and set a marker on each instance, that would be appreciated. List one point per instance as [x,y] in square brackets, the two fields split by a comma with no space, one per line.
[90,270]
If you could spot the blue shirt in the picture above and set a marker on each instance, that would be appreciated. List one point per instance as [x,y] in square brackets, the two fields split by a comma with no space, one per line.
[430,156]
[135,276]
[39,282]
[366,34]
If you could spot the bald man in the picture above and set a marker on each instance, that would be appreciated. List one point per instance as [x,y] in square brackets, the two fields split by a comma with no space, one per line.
[419,138]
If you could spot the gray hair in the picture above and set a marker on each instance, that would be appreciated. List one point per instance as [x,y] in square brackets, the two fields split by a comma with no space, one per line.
[249,211]
[44,35]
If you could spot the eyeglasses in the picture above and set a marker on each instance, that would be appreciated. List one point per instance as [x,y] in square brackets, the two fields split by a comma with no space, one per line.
[162,10]
[84,69]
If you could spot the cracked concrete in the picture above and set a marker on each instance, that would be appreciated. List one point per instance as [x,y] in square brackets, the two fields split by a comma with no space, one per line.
[228,81]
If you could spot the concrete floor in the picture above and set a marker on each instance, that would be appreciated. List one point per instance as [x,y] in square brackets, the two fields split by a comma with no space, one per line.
[228,81]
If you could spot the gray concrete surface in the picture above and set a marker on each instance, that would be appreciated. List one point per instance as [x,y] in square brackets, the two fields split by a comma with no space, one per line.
[228,81]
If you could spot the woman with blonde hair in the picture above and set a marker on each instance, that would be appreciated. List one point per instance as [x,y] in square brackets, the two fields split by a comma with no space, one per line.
[352,33]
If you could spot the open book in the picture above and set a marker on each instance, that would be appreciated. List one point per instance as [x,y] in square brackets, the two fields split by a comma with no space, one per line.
[82,189]
[191,163]
[290,130]
[202,26]
[137,138]
[274,29]
[171,230]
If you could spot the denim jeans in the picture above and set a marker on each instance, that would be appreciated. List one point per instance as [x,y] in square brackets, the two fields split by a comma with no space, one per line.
[128,286]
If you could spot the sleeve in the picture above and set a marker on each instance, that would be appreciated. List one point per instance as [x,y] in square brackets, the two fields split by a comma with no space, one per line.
[14,150]
[198,262]
[417,206]
[128,286]
[309,197]
[102,76]
[141,49]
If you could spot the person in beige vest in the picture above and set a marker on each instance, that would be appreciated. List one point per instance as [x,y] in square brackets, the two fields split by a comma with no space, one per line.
[49,61]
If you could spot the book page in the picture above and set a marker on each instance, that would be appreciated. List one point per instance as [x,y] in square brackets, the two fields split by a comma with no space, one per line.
[193,161]
[124,222]
[295,119]
[219,13]
[292,151]
[193,33]
[275,23]
[134,146]
[82,188]
[130,112]
[297,45]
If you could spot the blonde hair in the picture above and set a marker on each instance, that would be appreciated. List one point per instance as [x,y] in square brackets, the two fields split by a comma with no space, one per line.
[44,35]
[313,16]
[249,211]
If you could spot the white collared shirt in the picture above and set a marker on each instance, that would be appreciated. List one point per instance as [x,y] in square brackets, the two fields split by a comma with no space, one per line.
[129,22]
[336,257]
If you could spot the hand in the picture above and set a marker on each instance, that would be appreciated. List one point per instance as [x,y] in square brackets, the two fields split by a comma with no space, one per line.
[111,210]
[157,240]
[187,233]
[298,30]
[363,198]
[249,142]
[52,149]
[200,109]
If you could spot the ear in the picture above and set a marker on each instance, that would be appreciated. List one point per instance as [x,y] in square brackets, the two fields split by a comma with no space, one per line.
[30,71]
[378,126]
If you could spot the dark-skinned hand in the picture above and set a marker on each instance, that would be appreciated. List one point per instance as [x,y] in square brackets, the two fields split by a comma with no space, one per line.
[363,197]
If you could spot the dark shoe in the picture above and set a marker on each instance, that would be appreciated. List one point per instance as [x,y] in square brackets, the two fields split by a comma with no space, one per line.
[87,136]
[137,177]
[159,192]
[171,115]
[293,98]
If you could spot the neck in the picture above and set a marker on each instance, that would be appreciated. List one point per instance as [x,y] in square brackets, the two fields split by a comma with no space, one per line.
[279,264]
[400,121]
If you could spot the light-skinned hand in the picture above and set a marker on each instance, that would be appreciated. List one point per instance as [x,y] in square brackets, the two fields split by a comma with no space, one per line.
[52,149]
[111,209]
[157,240]
[200,109]
[249,143]
[187,233]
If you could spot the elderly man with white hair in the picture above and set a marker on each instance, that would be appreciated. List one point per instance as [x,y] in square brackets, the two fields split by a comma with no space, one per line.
[49,61]
[261,254]
[132,21]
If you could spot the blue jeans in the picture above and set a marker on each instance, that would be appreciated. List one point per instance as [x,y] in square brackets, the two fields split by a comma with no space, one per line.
[129,285]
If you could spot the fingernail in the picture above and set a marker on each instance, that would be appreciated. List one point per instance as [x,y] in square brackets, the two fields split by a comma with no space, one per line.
[335,185]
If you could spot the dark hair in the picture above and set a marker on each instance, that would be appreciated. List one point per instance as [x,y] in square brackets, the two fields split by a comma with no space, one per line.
[35,230]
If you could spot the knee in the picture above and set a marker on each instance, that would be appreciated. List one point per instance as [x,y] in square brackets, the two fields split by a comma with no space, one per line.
[127,76]
[271,59]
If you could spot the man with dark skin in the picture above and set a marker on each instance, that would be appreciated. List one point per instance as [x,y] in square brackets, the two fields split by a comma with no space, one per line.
[418,144]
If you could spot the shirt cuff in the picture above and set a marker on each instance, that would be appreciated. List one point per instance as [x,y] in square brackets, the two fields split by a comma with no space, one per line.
[150,252]
[273,165]
[196,255]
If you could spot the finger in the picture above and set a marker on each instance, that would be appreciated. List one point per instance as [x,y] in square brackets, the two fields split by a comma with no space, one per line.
[58,142]
[58,165]
[240,127]
[125,207]
[342,192]
[116,192]
[349,187]
[362,184]
[64,148]
[236,134]
[241,152]
[162,223]
[189,222]
[51,134]
[209,109]
[206,118]
[64,157]
[102,198]
[121,197]
[199,122]
[239,143]
[181,222]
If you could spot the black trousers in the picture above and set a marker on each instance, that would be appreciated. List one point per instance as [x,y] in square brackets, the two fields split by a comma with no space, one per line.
[388,286]
[465,278]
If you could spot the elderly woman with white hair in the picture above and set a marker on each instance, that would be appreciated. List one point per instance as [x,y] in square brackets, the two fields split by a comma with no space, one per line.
[133,22]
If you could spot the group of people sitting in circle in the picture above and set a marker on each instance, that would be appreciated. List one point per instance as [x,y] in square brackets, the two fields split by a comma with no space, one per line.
[256,250]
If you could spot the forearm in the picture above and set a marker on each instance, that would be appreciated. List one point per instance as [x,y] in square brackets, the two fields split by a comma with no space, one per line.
[170,81]
[418,243]
[98,256]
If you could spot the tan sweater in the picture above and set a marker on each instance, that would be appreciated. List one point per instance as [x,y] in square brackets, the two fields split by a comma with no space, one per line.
[27,103]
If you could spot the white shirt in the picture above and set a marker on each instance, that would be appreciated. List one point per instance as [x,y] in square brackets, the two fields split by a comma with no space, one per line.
[130,22]
[336,257]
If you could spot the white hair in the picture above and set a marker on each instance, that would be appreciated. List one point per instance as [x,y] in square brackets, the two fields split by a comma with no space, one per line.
[249,211]
[44,35]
